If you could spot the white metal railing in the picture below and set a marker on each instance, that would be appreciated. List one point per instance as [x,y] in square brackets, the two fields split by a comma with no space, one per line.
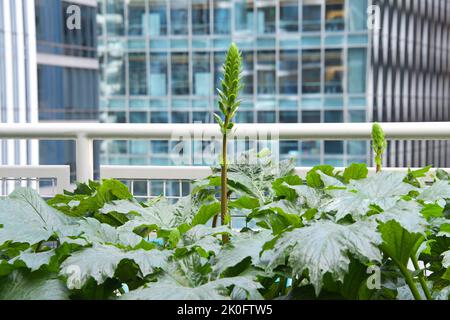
[85,133]
[57,178]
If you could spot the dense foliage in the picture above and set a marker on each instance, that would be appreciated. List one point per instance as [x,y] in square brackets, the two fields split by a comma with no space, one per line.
[330,235]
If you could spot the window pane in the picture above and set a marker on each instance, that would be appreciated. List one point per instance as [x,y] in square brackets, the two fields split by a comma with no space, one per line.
[334,147]
[244,117]
[115,8]
[200,16]
[115,75]
[157,20]
[137,74]
[159,117]
[180,74]
[247,72]
[180,117]
[289,148]
[335,15]
[357,148]
[312,18]
[311,71]
[138,117]
[266,20]
[289,16]
[334,116]
[311,148]
[357,61]
[266,82]
[311,117]
[357,116]
[243,12]
[202,75]
[357,15]
[288,117]
[161,147]
[288,75]
[201,116]
[222,19]
[179,17]
[334,71]
[136,17]
[158,74]
[266,117]
[219,59]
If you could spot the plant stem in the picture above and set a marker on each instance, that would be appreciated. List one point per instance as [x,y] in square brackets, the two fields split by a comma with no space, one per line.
[421,278]
[410,282]
[282,286]
[378,162]
[224,183]
[214,222]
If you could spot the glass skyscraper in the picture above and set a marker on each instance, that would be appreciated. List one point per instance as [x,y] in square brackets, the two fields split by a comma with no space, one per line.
[304,61]
[67,72]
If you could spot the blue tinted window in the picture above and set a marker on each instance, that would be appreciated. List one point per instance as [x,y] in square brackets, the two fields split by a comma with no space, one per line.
[200,16]
[266,117]
[179,17]
[157,20]
[334,147]
[244,17]
[159,117]
[180,117]
[137,74]
[180,74]
[289,16]
[222,21]
[312,18]
[334,116]
[288,117]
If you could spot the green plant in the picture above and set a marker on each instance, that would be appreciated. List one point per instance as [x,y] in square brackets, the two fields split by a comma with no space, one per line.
[323,237]
[228,105]
[379,144]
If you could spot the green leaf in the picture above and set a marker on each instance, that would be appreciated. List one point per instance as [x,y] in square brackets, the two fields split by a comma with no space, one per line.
[407,214]
[42,221]
[95,232]
[245,202]
[100,263]
[206,213]
[446,259]
[34,260]
[432,211]
[383,190]
[323,248]
[398,243]
[247,244]
[356,171]
[438,191]
[37,286]
[168,289]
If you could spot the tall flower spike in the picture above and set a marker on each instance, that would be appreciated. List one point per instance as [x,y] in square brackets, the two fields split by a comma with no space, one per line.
[228,105]
[379,144]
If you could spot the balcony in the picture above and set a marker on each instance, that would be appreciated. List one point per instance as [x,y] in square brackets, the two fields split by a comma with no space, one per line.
[55,179]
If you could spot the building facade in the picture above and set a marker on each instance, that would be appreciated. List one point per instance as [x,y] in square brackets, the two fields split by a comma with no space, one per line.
[67,71]
[410,75]
[304,61]
[18,78]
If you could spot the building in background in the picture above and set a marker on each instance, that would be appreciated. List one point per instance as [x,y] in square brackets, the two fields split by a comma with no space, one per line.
[67,72]
[304,61]
[48,73]
[18,78]
[410,75]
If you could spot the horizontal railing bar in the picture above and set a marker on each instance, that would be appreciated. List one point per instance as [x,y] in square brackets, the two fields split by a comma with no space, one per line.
[200,172]
[291,131]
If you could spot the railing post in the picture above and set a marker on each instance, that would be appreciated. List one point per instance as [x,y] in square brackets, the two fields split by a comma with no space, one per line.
[85,158]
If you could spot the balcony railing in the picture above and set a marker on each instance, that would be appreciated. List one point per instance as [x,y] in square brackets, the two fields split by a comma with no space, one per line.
[85,133]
